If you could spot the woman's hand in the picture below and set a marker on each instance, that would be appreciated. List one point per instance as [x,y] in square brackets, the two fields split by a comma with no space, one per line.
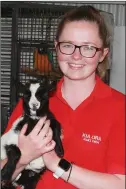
[36,143]
[51,159]
[3,162]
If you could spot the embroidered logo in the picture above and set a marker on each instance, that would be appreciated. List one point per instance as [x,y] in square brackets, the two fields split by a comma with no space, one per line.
[91,138]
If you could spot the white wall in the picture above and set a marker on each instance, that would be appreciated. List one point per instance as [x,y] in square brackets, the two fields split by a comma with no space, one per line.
[117,76]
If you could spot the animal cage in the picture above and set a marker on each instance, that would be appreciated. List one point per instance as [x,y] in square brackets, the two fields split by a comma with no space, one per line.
[28,31]
[28,52]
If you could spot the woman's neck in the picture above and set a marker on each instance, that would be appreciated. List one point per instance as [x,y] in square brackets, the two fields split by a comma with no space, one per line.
[76,91]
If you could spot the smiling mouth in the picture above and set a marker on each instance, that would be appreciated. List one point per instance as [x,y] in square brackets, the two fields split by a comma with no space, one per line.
[75,66]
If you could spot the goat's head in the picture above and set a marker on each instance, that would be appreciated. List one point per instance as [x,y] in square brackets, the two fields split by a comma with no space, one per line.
[36,96]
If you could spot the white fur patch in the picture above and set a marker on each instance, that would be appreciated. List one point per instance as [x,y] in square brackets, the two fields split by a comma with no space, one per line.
[36,164]
[33,100]
[11,137]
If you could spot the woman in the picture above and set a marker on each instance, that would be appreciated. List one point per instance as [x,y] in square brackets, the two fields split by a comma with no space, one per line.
[91,113]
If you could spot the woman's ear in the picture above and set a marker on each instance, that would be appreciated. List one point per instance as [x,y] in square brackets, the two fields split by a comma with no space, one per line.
[55,43]
[104,54]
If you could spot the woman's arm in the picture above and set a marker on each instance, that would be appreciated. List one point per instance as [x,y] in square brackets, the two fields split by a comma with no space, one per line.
[19,168]
[3,162]
[86,179]
[83,178]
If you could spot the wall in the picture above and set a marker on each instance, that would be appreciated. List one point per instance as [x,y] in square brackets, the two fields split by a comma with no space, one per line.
[117,77]
[117,8]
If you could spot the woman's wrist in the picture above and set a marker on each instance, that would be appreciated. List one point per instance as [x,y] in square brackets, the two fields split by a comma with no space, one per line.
[63,170]
[22,162]
[54,165]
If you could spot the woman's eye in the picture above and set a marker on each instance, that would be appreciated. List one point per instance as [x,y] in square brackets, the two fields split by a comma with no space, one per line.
[88,48]
[67,46]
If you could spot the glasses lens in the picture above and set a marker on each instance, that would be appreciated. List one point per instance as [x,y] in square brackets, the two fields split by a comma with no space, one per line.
[87,51]
[66,48]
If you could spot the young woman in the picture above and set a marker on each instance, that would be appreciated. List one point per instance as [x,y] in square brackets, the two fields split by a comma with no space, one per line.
[91,113]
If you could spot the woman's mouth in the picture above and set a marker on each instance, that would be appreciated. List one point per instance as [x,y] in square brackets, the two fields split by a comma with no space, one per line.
[75,66]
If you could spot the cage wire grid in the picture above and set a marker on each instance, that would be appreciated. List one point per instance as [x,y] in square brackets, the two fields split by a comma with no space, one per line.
[36,32]
[32,32]
[36,28]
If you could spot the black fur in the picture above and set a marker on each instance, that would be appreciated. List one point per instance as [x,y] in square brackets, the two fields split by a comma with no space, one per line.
[29,178]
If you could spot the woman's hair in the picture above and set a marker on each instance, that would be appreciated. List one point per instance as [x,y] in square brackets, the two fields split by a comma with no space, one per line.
[90,14]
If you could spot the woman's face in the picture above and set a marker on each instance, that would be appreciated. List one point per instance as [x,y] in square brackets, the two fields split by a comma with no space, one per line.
[79,33]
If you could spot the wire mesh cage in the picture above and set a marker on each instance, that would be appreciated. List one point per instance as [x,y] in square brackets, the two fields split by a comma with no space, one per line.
[28,33]
[32,54]
[27,48]
[36,34]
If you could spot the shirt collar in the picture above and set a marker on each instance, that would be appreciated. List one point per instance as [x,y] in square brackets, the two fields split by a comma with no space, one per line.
[101,90]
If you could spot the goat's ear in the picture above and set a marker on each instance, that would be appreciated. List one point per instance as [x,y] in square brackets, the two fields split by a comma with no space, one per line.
[20,87]
[43,80]
[52,85]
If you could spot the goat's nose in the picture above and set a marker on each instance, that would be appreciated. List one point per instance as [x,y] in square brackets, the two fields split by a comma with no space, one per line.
[35,104]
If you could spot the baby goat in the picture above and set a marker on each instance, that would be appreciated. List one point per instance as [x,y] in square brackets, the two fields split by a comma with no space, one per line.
[36,105]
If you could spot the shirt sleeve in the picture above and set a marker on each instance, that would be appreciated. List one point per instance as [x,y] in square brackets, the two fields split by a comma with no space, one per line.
[116,148]
[17,112]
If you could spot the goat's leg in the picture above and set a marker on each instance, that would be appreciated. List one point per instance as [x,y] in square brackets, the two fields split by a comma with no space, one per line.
[13,155]
[8,186]
[29,179]
[55,125]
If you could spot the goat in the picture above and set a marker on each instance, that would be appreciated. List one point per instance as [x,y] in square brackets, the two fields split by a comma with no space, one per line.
[35,105]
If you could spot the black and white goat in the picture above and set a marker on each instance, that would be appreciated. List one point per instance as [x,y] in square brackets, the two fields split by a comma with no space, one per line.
[36,105]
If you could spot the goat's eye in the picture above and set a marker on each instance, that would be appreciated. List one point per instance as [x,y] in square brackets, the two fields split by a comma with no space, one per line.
[39,93]
[27,94]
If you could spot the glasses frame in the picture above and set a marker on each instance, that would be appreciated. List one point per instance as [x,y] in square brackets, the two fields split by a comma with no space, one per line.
[77,46]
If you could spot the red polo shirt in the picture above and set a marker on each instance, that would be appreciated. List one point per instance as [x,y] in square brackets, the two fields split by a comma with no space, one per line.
[93,133]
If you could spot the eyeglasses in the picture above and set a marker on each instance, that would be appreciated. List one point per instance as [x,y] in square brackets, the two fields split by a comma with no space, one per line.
[87,51]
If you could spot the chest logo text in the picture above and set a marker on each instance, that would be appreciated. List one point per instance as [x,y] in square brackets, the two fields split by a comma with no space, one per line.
[91,138]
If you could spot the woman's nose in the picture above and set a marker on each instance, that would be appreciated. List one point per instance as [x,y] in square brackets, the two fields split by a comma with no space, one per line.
[77,55]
